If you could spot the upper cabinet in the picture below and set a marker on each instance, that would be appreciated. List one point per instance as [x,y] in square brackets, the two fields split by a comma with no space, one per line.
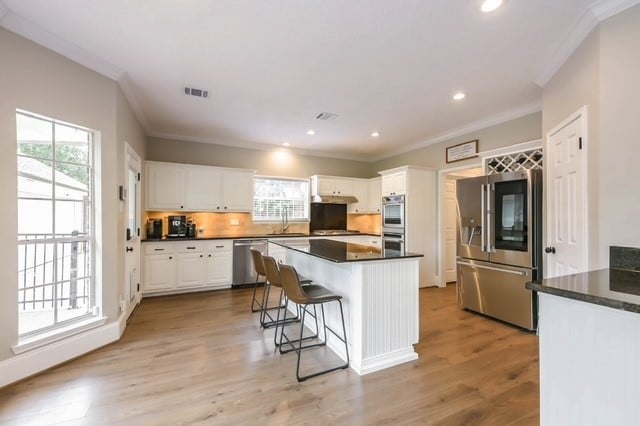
[331,185]
[394,184]
[361,192]
[186,187]
[374,189]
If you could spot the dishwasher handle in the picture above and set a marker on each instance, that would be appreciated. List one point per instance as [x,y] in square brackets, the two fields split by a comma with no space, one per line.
[493,268]
[248,243]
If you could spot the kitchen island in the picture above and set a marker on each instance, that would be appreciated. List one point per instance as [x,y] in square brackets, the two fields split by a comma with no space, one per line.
[589,327]
[380,297]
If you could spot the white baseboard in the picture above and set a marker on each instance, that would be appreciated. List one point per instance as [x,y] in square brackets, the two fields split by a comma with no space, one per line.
[381,362]
[32,362]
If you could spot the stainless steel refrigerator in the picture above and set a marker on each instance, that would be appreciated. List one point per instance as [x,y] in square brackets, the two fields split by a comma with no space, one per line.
[499,245]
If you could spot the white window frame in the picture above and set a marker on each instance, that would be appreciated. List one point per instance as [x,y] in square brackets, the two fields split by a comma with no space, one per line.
[90,318]
[290,219]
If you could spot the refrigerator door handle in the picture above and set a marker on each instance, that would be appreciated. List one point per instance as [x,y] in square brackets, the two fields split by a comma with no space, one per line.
[492,268]
[483,195]
[488,215]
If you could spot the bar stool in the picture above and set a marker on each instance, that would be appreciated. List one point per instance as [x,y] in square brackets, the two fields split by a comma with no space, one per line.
[258,266]
[274,279]
[304,296]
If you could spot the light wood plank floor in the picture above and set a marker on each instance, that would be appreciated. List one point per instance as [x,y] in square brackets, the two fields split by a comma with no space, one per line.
[202,359]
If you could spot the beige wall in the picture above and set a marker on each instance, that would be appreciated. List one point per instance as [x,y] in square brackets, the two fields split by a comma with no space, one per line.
[603,74]
[512,132]
[37,80]
[277,162]
[619,151]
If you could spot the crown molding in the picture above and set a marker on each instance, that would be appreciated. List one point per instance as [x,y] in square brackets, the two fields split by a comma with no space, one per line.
[574,37]
[471,127]
[37,34]
[258,146]
[4,10]
[604,9]
[126,85]
[596,12]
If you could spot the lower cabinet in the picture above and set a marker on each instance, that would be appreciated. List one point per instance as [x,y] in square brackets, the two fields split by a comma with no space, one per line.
[179,266]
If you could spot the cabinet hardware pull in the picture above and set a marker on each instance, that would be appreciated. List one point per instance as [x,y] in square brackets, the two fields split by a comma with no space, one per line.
[201,256]
[170,257]
[158,249]
[219,246]
[190,248]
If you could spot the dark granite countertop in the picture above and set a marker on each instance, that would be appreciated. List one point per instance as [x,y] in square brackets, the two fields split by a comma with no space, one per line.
[241,237]
[614,288]
[341,252]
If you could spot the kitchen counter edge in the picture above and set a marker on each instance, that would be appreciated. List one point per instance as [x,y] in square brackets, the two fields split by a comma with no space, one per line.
[248,237]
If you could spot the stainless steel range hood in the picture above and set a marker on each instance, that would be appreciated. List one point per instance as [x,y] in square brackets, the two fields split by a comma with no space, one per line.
[334,199]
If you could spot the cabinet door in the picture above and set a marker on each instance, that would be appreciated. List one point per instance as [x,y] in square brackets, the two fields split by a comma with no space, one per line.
[400,183]
[165,187]
[237,188]
[360,191]
[326,186]
[203,189]
[219,268]
[159,272]
[374,195]
[344,187]
[190,270]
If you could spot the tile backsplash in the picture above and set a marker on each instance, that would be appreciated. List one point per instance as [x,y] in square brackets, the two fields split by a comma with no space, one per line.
[627,258]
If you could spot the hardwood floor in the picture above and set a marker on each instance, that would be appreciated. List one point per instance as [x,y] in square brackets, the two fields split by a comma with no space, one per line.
[202,358]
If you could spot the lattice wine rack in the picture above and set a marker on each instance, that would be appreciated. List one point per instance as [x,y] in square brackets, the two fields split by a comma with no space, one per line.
[512,162]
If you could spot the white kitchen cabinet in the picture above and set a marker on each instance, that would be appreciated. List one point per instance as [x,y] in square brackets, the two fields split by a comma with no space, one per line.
[374,191]
[219,263]
[159,268]
[186,187]
[394,183]
[331,185]
[361,192]
[179,266]
[165,186]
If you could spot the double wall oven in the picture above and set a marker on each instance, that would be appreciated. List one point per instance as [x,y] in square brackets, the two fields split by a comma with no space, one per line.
[393,223]
[499,244]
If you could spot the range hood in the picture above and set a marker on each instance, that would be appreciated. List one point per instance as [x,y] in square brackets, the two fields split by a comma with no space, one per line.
[334,199]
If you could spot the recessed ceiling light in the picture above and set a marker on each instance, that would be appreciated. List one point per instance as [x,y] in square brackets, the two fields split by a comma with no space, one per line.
[490,5]
[311,132]
[459,96]
[285,143]
[375,134]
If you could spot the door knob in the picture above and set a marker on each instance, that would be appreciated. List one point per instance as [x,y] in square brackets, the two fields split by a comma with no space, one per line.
[129,249]
[550,250]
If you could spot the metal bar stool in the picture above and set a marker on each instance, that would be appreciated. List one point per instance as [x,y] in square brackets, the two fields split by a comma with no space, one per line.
[274,279]
[258,265]
[304,296]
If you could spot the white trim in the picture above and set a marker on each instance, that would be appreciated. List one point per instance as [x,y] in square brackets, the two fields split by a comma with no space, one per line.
[39,35]
[584,181]
[42,339]
[494,120]
[604,9]
[34,361]
[574,37]
[512,149]
[377,363]
[4,10]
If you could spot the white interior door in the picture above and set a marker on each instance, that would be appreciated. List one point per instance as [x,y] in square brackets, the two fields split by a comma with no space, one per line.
[132,199]
[566,197]
[449,229]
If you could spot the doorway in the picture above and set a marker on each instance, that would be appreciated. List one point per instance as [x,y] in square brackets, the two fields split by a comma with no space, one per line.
[131,198]
[448,218]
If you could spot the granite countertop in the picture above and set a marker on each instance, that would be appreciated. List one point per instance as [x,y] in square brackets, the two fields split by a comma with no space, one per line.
[249,236]
[341,252]
[614,288]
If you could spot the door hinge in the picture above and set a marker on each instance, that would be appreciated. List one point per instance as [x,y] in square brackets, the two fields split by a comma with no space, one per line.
[138,232]
[138,287]
[580,142]
[138,176]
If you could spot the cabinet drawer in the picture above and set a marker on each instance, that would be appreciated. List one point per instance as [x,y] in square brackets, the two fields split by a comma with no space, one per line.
[189,247]
[219,245]
[158,248]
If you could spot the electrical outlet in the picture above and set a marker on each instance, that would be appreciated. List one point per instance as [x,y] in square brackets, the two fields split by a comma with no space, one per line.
[234,222]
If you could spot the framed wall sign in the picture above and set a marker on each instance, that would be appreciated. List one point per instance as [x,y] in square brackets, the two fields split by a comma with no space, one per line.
[462,151]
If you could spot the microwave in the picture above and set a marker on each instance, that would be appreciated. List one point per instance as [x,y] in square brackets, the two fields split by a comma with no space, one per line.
[393,212]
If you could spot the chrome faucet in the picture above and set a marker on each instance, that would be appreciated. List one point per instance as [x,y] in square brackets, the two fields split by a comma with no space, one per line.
[285,221]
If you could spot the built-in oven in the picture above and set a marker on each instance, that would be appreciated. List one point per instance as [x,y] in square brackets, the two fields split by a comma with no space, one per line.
[393,241]
[393,212]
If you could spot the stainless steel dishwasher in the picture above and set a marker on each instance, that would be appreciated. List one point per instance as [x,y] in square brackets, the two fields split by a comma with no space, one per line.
[243,270]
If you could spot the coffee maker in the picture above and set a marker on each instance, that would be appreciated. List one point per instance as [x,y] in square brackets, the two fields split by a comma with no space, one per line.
[154,229]
[176,226]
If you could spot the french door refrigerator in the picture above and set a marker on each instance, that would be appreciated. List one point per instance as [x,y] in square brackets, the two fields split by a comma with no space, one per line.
[499,245]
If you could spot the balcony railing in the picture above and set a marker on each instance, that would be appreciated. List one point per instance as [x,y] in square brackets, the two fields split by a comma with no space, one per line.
[53,272]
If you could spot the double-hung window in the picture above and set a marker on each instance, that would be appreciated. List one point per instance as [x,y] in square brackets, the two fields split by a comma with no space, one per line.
[55,224]
[276,198]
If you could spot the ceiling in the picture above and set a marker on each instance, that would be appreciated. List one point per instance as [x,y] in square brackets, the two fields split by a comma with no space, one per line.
[271,66]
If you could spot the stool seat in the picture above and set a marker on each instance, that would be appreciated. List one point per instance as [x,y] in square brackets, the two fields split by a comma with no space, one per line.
[319,294]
